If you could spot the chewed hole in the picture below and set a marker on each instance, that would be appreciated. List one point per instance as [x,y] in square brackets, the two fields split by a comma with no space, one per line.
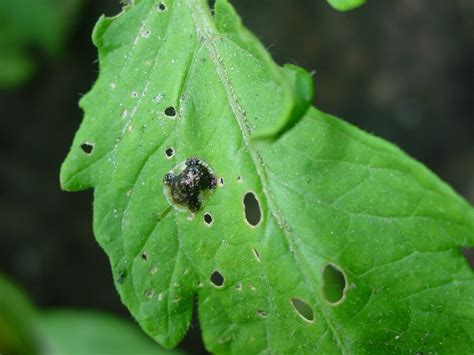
[208,219]
[87,147]
[161,7]
[469,255]
[334,283]
[121,276]
[262,314]
[256,254]
[220,182]
[253,213]
[145,256]
[239,178]
[217,279]
[303,309]
[149,294]
[169,153]
[170,111]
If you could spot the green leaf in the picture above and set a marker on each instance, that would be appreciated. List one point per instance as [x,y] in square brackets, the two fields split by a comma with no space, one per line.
[73,332]
[26,24]
[17,315]
[346,5]
[317,238]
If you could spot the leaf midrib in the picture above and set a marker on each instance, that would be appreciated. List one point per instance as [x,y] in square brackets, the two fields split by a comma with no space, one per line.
[208,34]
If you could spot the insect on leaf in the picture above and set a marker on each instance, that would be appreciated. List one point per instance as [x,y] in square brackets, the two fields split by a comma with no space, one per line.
[215,180]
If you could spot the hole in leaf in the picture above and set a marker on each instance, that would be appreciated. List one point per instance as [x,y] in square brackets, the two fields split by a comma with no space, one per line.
[253,213]
[303,309]
[208,219]
[161,7]
[121,276]
[149,294]
[334,283]
[256,254]
[469,255]
[262,313]
[134,94]
[238,286]
[220,182]
[217,279]
[170,111]
[169,152]
[87,147]
[145,256]
[239,179]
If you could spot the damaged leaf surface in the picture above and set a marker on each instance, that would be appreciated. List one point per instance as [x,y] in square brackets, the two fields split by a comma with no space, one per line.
[357,247]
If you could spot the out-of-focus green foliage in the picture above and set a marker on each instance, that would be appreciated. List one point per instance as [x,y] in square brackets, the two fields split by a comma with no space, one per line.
[73,332]
[27,25]
[346,5]
[17,334]
[24,330]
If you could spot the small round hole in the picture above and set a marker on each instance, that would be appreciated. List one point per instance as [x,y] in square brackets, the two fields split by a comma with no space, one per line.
[145,256]
[169,153]
[217,279]
[220,182]
[134,94]
[87,148]
[170,111]
[121,276]
[334,283]
[149,294]
[208,219]
[238,286]
[303,309]
[253,213]
[161,7]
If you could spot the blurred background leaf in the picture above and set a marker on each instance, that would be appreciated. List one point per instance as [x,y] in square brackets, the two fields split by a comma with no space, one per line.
[17,315]
[29,25]
[26,331]
[83,332]
[346,5]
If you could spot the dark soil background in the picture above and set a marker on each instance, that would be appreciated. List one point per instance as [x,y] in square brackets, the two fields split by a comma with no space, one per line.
[402,69]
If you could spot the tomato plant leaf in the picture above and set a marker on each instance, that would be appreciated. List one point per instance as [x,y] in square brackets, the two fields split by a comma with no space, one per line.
[296,232]
[346,5]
